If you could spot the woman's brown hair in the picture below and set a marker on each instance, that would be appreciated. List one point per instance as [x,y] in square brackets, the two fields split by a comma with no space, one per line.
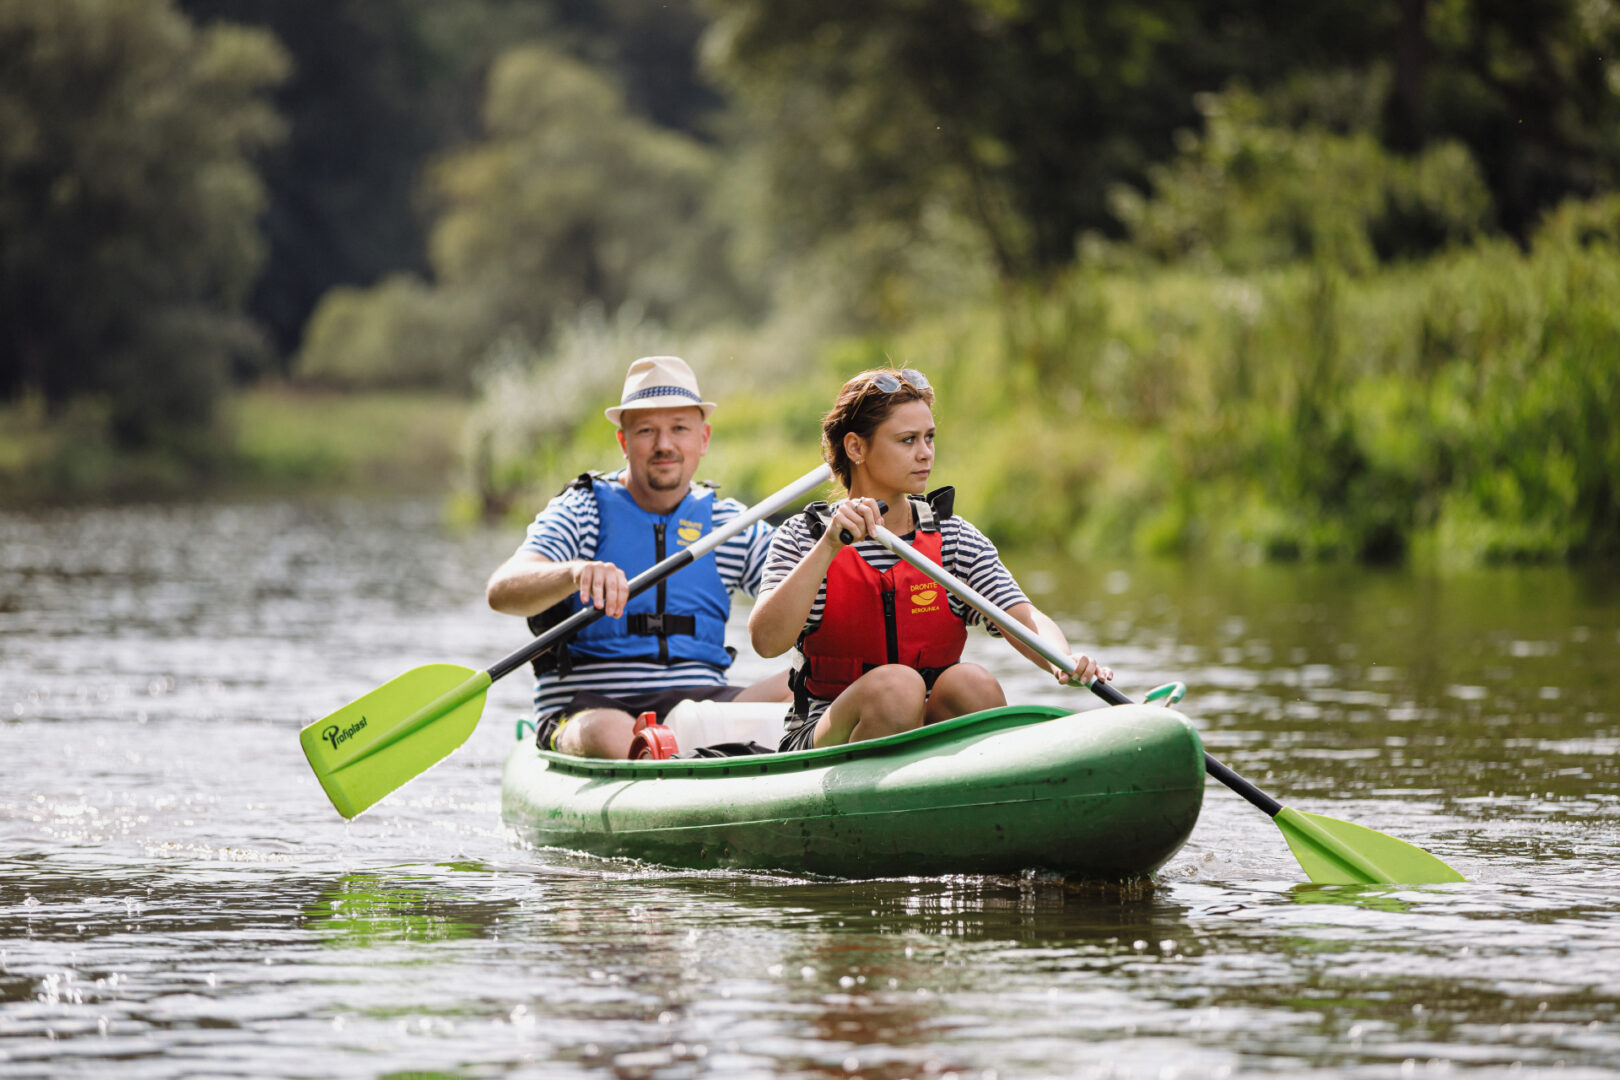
[859,408]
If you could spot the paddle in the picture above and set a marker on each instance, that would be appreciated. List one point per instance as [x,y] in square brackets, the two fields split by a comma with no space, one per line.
[376,743]
[1331,852]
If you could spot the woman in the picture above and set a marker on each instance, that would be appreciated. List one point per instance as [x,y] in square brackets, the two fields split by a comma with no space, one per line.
[882,643]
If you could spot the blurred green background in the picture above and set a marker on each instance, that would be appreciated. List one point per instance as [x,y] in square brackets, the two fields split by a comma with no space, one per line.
[1231,278]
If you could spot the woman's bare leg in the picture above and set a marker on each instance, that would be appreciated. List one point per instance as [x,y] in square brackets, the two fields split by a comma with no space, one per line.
[882,702]
[773,688]
[963,689]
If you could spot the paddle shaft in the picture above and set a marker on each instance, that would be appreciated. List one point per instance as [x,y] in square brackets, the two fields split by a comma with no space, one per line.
[654,574]
[1013,628]
[1218,769]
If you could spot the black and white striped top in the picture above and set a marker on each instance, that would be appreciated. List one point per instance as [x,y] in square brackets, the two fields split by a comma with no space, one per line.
[568,528]
[965,551]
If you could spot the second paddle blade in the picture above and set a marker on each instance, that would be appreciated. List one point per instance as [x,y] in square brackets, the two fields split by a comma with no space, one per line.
[378,742]
[1334,852]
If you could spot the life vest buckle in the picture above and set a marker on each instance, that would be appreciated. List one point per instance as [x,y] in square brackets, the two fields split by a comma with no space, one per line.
[660,623]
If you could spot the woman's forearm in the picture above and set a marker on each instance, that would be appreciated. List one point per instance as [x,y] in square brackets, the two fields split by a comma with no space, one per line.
[1038,621]
[1080,669]
[779,615]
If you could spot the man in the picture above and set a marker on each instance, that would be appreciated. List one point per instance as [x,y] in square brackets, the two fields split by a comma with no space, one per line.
[668,644]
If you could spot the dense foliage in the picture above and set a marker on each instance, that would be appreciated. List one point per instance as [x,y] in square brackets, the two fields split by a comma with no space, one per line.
[378,90]
[128,206]
[526,234]
[1455,410]
[1309,280]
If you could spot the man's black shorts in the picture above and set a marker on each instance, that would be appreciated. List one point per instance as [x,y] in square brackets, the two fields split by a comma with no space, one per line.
[659,701]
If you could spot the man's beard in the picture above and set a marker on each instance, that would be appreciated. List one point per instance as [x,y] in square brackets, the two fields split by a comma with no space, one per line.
[659,484]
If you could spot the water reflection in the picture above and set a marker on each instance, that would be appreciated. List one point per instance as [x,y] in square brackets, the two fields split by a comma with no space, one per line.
[177,898]
[372,908]
[1377,897]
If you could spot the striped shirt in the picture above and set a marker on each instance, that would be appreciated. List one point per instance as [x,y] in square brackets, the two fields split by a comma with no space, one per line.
[965,551]
[569,528]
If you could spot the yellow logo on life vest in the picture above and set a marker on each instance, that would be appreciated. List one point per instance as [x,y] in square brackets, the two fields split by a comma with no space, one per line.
[924,597]
[687,532]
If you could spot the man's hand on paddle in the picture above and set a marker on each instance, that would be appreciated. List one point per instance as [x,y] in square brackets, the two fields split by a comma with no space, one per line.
[602,585]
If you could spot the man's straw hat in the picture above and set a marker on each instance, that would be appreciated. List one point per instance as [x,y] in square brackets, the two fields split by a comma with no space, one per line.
[659,382]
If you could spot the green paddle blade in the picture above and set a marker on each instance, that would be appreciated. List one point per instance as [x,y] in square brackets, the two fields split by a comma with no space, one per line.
[1334,852]
[376,743]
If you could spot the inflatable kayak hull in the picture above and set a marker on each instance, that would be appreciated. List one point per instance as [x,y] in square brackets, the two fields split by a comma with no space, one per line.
[1104,794]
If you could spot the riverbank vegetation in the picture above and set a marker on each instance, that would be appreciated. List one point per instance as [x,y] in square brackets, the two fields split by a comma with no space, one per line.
[1455,410]
[1245,374]
[272,438]
[1192,278]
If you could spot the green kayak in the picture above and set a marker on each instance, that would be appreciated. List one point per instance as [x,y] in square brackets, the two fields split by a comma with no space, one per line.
[1102,794]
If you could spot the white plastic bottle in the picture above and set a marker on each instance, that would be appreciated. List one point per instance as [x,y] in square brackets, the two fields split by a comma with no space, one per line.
[707,723]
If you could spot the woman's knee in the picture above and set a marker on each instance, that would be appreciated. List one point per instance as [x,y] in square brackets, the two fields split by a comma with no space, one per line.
[895,682]
[965,688]
[971,678]
[884,701]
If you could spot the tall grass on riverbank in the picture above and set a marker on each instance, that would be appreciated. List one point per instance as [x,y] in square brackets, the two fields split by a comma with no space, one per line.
[402,440]
[1458,410]
[70,455]
[1455,410]
[269,438]
[1461,409]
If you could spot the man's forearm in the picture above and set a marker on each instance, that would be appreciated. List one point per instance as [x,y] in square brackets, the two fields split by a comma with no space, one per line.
[531,586]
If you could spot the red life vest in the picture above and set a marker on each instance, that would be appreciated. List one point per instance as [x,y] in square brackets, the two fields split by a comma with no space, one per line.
[900,616]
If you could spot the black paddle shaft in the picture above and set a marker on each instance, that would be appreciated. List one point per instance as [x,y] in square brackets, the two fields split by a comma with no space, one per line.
[654,574]
[585,616]
[1215,768]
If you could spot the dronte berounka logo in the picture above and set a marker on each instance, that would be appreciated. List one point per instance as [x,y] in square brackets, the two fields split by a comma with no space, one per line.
[923,596]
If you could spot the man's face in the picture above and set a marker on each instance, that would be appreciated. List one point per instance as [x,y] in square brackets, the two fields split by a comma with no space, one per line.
[663,446]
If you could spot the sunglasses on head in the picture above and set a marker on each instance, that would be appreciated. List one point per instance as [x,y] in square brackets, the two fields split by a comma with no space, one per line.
[889,381]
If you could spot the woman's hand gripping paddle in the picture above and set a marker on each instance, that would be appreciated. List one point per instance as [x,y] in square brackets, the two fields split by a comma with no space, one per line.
[376,743]
[1330,852]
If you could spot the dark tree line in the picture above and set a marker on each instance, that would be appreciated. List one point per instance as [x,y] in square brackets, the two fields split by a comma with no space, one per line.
[129,206]
[183,181]
[379,87]
[1025,113]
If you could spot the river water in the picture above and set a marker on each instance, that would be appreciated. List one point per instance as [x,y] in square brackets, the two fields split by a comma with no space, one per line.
[177,898]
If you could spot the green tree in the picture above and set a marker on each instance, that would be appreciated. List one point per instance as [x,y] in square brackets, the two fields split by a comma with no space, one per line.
[1014,115]
[128,205]
[1252,192]
[378,90]
[568,200]
[1528,85]
[1020,116]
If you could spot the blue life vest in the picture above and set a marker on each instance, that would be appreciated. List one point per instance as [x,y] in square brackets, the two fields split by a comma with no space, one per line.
[683,617]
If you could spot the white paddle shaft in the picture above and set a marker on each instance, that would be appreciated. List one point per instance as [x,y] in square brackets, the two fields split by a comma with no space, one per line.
[801,487]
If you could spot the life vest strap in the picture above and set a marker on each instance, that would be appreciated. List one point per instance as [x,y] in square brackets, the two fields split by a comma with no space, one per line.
[927,511]
[660,623]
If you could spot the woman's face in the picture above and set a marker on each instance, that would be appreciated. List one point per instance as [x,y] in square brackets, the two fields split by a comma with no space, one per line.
[899,455]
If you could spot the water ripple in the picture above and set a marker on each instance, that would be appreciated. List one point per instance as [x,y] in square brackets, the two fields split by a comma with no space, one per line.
[177,898]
